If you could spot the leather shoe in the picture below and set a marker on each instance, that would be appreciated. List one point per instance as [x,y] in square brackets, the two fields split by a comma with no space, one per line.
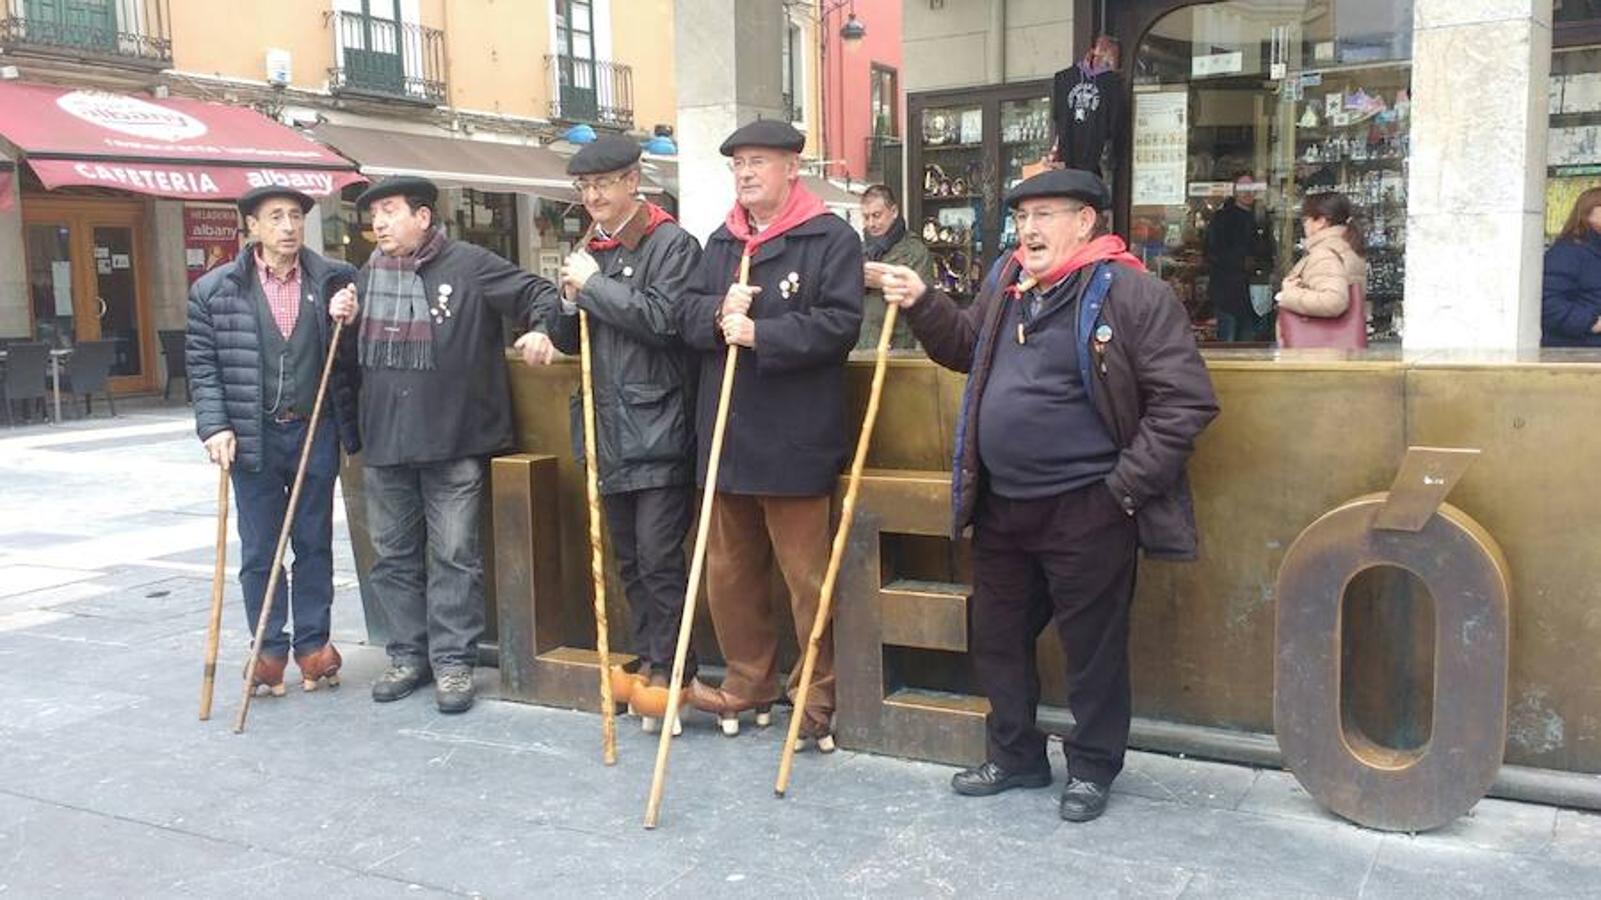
[1083,800]
[991,778]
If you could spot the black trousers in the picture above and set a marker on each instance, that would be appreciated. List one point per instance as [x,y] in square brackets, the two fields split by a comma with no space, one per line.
[647,537]
[1071,557]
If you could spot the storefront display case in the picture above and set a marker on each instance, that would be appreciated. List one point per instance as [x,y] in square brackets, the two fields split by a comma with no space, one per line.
[968,149]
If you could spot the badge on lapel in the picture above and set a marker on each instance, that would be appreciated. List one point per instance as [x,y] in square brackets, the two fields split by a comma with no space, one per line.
[789,286]
[441,308]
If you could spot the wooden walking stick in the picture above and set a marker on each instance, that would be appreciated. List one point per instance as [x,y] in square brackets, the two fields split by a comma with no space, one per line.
[597,556]
[847,512]
[208,680]
[697,560]
[283,533]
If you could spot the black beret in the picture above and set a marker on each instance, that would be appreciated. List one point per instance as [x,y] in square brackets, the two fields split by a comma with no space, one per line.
[607,154]
[765,133]
[1075,183]
[253,197]
[402,186]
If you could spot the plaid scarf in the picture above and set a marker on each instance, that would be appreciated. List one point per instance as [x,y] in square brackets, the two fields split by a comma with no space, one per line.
[396,332]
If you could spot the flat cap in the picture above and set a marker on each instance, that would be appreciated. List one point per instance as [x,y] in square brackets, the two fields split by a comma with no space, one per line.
[402,186]
[253,197]
[1074,183]
[607,154]
[765,133]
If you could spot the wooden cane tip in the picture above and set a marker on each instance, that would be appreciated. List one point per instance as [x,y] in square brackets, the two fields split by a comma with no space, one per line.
[779,793]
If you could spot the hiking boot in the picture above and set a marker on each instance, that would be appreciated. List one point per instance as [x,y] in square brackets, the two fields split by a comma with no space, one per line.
[319,667]
[454,691]
[399,680]
[269,675]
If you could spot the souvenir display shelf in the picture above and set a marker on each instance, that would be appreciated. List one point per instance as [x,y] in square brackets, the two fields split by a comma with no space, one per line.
[966,149]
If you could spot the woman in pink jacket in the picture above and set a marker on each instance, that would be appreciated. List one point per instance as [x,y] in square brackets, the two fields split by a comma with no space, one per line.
[1319,285]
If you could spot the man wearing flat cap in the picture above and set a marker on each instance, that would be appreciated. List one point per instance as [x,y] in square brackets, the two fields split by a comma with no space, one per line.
[793,328]
[629,279]
[1085,395]
[258,335]
[435,407]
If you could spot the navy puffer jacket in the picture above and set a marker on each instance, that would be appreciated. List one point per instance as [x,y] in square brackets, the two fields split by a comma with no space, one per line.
[223,350]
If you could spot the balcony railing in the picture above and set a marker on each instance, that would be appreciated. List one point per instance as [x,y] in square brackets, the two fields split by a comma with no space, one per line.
[587,90]
[387,59]
[125,33]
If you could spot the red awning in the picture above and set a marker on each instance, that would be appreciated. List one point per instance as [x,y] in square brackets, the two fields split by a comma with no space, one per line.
[186,149]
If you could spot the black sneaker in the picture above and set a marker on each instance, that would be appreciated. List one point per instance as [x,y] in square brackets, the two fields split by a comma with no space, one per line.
[454,692]
[399,680]
[990,778]
[1083,800]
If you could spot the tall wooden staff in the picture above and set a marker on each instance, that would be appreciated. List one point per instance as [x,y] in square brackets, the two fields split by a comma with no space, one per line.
[597,555]
[283,533]
[697,560]
[847,513]
[208,678]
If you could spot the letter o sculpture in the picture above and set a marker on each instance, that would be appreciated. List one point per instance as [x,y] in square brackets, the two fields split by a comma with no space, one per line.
[1466,573]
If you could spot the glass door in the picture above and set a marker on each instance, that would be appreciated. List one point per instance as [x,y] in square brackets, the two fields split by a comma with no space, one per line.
[86,281]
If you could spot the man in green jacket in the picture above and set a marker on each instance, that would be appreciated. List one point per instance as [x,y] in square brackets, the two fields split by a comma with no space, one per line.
[887,241]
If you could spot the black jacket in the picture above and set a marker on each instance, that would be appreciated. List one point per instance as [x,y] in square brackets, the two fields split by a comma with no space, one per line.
[461,407]
[223,351]
[1147,382]
[1570,301]
[1237,247]
[786,422]
[643,375]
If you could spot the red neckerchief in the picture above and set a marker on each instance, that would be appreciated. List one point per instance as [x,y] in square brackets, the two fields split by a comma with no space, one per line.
[1106,247]
[656,215]
[801,207]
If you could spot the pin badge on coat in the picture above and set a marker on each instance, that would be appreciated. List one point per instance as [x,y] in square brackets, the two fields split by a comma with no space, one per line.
[789,286]
[441,310]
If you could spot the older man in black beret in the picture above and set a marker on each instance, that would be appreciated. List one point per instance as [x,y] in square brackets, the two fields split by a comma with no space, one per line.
[1085,395]
[629,278]
[793,327]
[435,407]
[258,336]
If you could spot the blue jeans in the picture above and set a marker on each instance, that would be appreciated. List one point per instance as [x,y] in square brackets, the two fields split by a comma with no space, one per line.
[262,499]
[428,575]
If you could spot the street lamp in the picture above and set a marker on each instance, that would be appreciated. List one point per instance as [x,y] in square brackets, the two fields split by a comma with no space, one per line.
[853,30]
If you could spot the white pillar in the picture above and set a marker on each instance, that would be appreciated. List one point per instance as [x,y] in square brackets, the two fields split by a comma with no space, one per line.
[1475,195]
[727,56]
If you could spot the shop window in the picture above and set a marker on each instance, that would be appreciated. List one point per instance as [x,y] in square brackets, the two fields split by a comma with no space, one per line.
[1573,148]
[1250,107]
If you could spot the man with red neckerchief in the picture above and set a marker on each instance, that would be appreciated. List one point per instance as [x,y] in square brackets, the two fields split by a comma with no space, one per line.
[630,278]
[793,328]
[1084,398]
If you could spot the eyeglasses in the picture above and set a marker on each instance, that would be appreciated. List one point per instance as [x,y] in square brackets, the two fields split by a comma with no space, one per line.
[582,186]
[1043,217]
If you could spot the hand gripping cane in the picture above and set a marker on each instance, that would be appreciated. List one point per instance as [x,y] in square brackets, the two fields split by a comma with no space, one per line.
[697,560]
[847,513]
[283,533]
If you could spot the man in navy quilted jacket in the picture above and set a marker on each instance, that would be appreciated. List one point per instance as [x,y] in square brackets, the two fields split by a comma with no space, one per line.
[259,334]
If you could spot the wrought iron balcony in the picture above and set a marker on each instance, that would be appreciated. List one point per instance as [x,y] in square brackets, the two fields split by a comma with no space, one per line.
[122,33]
[389,60]
[587,90]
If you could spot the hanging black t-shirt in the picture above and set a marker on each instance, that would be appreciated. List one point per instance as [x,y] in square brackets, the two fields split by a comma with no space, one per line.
[1085,110]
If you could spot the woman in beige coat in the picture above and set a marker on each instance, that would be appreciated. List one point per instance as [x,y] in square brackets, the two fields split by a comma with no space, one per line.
[1319,285]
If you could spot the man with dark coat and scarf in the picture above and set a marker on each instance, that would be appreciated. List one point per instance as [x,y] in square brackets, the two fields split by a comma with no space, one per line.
[258,336]
[885,239]
[793,328]
[1085,395]
[629,280]
[1238,248]
[435,405]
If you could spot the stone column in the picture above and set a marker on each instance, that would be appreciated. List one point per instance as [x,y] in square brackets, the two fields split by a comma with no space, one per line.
[1475,195]
[13,269]
[728,56]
